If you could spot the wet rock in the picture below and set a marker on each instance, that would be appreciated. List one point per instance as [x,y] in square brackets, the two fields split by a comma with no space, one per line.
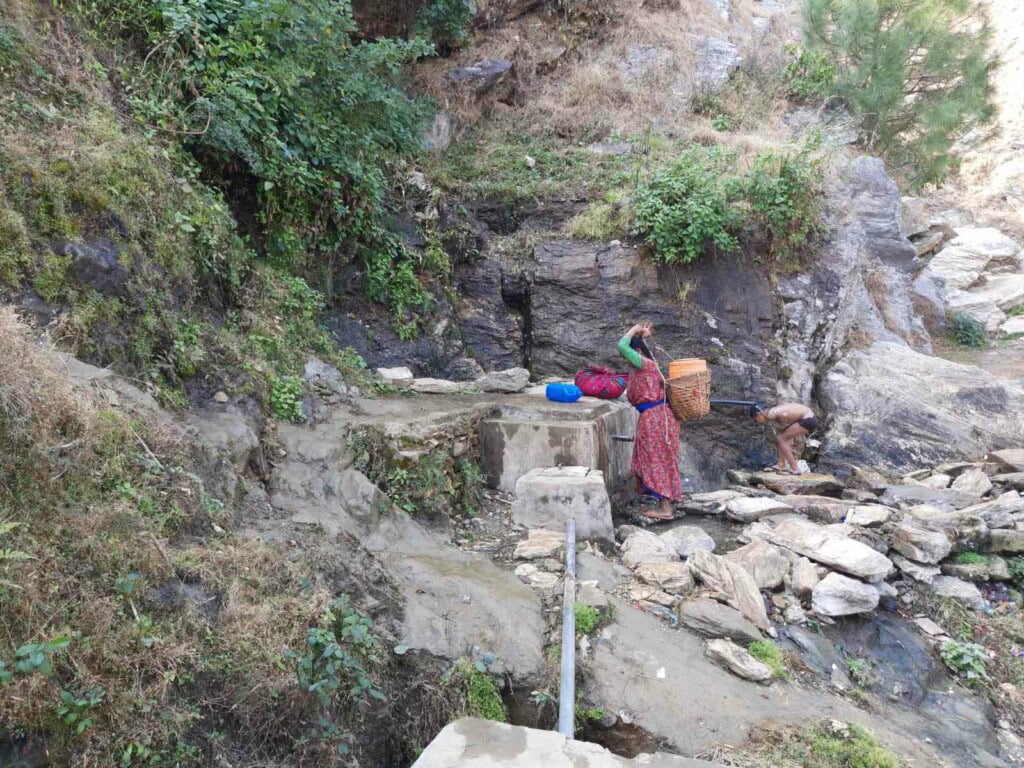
[508,381]
[396,377]
[944,499]
[483,75]
[749,510]
[920,544]
[670,577]
[897,408]
[738,661]
[540,544]
[838,595]
[1008,541]
[838,552]
[1010,459]
[804,578]
[959,590]
[645,547]
[551,496]
[766,563]
[731,584]
[917,571]
[807,484]
[869,515]
[712,619]
[973,482]
[685,540]
[436,386]
[97,265]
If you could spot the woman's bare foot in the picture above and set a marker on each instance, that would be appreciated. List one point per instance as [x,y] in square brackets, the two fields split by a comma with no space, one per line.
[774,468]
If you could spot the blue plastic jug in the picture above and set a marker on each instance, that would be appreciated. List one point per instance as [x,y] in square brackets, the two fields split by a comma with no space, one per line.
[563,393]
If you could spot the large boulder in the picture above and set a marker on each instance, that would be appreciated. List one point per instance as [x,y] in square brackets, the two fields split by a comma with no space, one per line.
[670,577]
[820,509]
[944,499]
[896,408]
[1010,459]
[766,563]
[969,254]
[807,484]
[838,595]
[645,547]
[804,578]
[1008,541]
[833,550]
[957,589]
[925,574]
[550,496]
[508,381]
[921,544]
[687,539]
[738,661]
[731,584]
[712,619]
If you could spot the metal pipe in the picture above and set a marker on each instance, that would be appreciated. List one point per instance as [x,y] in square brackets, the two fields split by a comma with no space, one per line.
[567,690]
[720,401]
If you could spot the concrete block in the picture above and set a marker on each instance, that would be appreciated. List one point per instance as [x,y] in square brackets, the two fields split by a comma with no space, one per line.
[548,497]
[473,743]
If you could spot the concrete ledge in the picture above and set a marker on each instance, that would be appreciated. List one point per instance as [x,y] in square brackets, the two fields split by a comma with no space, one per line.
[548,497]
[472,743]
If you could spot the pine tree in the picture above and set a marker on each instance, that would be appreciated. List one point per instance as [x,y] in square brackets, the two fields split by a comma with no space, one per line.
[915,71]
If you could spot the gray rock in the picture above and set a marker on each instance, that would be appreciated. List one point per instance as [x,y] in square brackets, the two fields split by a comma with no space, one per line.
[1010,459]
[807,484]
[712,619]
[925,574]
[398,377]
[820,509]
[97,265]
[992,568]
[959,590]
[973,482]
[549,497]
[670,577]
[835,551]
[944,499]
[766,563]
[589,593]
[914,217]
[324,376]
[869,479]
[223,442]
[731,584]
[508,381]
[939,480]
[436,386]
[1008,541]
[1013,480]
[685,540]
[483,75]
[532,576]
[645,547]
[716,61]
[738,661]
[837,595]
[618,149]
[540,544]
[438,136]
[869,515]
[897,408]
[804,578]
[968,255]
[748,510]
[920,544]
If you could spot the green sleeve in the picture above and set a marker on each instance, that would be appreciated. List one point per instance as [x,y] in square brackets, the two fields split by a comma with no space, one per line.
[631,355]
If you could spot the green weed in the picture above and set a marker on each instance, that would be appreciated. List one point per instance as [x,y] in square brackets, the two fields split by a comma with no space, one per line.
[968,330]
[588,618]
[768,653]
[969,558]
[286,398]
[966,660]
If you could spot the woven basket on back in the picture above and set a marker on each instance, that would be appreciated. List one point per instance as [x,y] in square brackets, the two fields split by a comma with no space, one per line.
[689,395]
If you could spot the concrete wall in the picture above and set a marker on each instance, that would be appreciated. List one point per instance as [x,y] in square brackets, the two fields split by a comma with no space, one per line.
[472,743]
[520,438]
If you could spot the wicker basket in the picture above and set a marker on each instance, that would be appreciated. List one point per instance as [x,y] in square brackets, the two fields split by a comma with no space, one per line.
[689,395]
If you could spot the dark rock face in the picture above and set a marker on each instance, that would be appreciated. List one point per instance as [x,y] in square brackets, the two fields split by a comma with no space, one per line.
[96,264]
[483,75]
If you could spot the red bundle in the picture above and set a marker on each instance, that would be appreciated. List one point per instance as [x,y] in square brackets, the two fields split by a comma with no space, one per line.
[601,382]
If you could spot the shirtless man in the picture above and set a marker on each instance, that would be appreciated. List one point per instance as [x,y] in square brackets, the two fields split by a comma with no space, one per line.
[793,420]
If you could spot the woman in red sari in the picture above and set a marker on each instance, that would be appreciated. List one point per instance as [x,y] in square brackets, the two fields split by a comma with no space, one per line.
[656,445]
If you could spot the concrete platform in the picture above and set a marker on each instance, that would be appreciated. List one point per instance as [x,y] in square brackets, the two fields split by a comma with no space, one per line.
[473,743]
[547,498]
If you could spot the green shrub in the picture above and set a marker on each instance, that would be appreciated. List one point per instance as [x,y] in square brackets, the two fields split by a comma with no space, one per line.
[1016,566]
[286,398]
[587,618]
[862,672]
[809,74]
[689,205]
[722,123]
[969,558]
[768,653]
[966,660]
[916,72]
[446,23]
[968,330]
[860,749]
[479,693]
[784,191]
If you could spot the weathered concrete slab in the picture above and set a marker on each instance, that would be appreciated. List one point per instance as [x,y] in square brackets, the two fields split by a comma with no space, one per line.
[530,433]
[548,497]
[473,743]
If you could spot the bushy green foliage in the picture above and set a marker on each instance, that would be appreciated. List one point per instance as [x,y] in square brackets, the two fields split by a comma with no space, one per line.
[283,98]
[969,558]
[810,74]
[862,671]
[968,330]
[1016,566]
[703,199]
[690,204]
[587,618]
[446,23]
[860,750]
[479,693]
[916,72]
[286,398]
[966,660]
[768,653]
[783,190]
